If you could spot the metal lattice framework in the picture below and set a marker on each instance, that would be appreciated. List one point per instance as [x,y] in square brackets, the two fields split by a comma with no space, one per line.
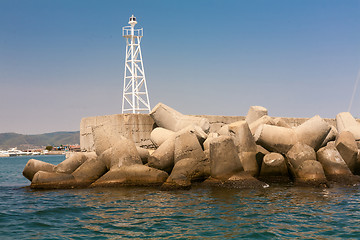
[135,94]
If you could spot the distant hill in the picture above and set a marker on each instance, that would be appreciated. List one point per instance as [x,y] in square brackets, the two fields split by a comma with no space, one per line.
[10,140]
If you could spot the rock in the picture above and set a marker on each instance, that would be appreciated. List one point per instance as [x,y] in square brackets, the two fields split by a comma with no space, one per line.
[331,136]
[332,162]
[224,159]
[166,117]
[159,135]
[144,154]
[124,152]
[275,139]
[187,146]
[33,166]
[70,164]
[311,172]
[298,154]
[199,133]
[346,122]
[52,180]
[254,113]
[274,168]
[133,175]
[185,172]
[313,132]
[263,120]
[163,157]
[347,147]
[89,171]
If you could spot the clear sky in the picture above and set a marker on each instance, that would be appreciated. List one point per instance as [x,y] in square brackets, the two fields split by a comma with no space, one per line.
[64,60]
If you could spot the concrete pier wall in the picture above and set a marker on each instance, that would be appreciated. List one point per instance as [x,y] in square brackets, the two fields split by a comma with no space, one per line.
[139,126]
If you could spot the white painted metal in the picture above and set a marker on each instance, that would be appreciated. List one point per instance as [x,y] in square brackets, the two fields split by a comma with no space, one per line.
[135,94]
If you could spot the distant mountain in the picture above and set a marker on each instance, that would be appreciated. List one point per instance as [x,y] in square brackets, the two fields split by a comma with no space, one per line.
[10,140]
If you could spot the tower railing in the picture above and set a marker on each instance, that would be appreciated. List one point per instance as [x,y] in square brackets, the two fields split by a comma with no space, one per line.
[126,32]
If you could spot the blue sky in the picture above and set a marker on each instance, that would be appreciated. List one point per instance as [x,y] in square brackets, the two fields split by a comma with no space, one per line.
[64,60]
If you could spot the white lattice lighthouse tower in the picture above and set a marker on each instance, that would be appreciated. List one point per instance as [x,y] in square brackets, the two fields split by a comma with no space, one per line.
[135,94]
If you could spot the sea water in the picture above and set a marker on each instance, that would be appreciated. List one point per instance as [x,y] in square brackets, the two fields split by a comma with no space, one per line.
[277,212]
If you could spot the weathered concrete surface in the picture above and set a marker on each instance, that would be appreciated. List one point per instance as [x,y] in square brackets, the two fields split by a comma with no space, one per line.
[144,154]
[224,159]
[313,132]
[246,146]
[346,122]
[332,162]
[347,147]
[274,168]
[53,180]
[298,154]
[167,117]
[33,166]
[254,113]
[159,135]
[163,157]
[136,127]
[134,175]
[123,153]
[263,120]
[185,172]
[331,136]
[187,146]
[89,171]
[276,139]
[70,164]
[311,172]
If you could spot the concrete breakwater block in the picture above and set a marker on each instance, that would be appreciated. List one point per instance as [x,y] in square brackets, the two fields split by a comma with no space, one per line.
[104,138]
[347,147]
[224,159]
[311,172]
[280,139]
[133,175]
[70,164]
[185,172]
[332,162]
[261,121]
[246,146]
[53,180]
[159,135]
[123,153]
[276,139]
[89,171]
[33,166]
[274,169]
[346,122]
[163,157]
[298,154]
[166,117]
[187,146]
[313,132]
[254,113]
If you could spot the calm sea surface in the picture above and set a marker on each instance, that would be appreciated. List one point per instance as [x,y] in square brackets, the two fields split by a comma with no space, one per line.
[277,212]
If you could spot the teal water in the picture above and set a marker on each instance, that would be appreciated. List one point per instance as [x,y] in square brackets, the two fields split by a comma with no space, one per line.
[277,212]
